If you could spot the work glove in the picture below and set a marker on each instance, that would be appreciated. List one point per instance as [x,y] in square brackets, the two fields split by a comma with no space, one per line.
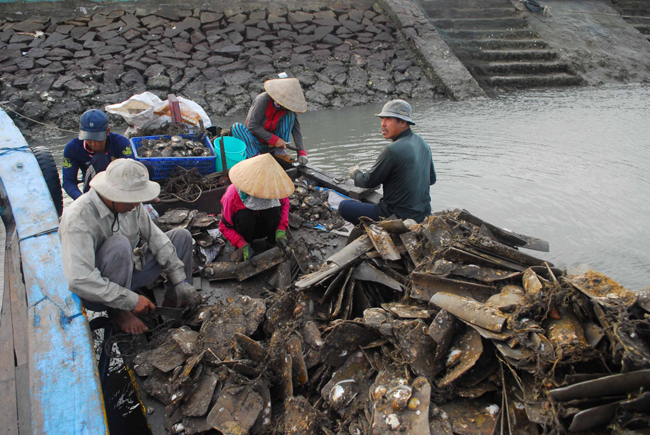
[247,251]
[186,294]
[352,170]
[281,239]
[303,160]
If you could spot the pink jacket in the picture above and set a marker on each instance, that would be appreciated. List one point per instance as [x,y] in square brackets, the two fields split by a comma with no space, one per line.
[231,203]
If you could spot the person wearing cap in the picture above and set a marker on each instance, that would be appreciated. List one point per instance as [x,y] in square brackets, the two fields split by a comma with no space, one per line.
[92,151]
[272,120]
[256,204]
[404,169]
[99,233]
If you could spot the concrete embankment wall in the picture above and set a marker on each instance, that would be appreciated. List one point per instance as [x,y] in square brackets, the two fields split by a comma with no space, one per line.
[59,58]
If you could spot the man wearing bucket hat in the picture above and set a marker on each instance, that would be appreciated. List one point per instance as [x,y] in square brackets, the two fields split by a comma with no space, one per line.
[98,235]
[256,205]
[92,151]
[272,119]
[404,168]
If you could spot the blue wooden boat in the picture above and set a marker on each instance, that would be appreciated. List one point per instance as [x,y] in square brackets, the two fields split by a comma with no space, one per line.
[48,373]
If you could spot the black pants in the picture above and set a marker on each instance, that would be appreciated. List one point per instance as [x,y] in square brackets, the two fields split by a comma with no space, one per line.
[253,225]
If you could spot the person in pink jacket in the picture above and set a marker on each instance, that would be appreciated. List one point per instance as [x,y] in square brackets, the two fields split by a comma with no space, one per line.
[256,205]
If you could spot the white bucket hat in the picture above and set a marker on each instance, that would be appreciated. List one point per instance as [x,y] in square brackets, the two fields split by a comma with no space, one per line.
[126,181]
[287,93]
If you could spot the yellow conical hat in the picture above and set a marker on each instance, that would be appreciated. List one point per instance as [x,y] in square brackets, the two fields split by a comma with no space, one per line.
[261,176]
[287,93]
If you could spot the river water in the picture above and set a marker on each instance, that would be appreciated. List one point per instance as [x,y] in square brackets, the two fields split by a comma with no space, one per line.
[567,166]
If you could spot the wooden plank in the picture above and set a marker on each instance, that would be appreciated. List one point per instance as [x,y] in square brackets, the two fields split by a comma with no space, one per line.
[8,402]
[23,401]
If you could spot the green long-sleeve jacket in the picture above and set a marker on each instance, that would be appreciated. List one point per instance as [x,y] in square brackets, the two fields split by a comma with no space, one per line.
[405,168]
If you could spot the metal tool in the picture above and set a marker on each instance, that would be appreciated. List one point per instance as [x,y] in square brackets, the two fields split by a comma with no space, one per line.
[172,313]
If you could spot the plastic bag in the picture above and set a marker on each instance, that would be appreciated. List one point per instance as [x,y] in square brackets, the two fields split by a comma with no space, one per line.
[146,110]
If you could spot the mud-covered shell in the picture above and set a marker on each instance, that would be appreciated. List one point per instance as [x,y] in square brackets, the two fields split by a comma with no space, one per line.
[343,393]
[399,396]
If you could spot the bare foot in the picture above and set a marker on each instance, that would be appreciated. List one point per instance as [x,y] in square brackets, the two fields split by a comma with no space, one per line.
[127,321]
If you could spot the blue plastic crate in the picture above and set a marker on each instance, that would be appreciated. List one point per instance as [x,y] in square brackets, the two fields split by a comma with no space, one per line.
[163,167]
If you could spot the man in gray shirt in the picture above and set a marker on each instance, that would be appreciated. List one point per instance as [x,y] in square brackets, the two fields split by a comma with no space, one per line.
[404,168]
[99,232]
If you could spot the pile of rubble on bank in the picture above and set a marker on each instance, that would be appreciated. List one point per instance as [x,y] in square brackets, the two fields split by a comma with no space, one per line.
[56,66]
[441,327]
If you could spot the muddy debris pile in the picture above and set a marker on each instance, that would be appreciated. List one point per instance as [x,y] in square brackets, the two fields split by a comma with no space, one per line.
[188,184]
[310,207]
[444,327]
[208,240]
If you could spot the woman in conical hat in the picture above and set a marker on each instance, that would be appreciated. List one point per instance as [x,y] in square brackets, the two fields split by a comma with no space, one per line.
[256,205]
[272,120]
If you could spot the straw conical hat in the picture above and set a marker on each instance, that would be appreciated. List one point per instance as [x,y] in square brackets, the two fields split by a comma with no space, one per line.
[261,176]
[287,93]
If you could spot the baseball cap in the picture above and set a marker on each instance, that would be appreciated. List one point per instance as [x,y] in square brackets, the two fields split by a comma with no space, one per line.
[93,125]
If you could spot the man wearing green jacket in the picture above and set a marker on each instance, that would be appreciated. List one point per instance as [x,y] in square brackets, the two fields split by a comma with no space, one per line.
[404,168]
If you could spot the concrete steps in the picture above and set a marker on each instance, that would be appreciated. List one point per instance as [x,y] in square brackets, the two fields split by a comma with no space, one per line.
[636,13]
[533,81]
[496,45]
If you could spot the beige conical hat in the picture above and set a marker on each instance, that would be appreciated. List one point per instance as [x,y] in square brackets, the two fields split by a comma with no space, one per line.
[261,176]
[287,93]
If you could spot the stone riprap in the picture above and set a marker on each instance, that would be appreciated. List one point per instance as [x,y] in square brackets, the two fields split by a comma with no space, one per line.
[53,69]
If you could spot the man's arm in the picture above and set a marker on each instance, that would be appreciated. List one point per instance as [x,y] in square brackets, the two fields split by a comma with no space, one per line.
[379,172]
[161,247]
[432,174]
[70,171]
[84,279]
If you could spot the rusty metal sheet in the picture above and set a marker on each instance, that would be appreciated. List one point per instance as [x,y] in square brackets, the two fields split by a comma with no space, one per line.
[594,417]
[470,347]
[438,233]
[510,298]
[167,356]
[442,330]
[411,242]
[506,236]
[482,243]
[425,285]
[407,311]
[465,254]
[490,335]
[382,242]
[318,276]
[418,348]
[470,310]
[606,386]
[367,272]
[352,251]
[472,417]
[603,290]
[259,263]
[483,274]
[395,226]
[236,410]
[199,400]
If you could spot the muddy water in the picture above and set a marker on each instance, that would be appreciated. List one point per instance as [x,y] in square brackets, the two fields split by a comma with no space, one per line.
[567,166]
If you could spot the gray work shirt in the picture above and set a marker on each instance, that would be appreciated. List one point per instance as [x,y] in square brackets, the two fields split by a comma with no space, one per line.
[405,169]
[85,226]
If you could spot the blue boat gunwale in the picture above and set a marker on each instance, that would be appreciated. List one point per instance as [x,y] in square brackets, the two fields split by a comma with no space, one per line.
[64,390]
